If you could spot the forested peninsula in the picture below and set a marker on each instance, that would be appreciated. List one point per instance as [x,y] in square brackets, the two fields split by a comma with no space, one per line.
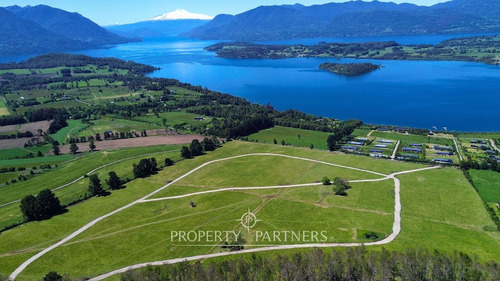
[484,49]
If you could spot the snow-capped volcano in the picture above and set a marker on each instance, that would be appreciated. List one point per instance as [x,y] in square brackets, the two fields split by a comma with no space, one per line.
[181,14]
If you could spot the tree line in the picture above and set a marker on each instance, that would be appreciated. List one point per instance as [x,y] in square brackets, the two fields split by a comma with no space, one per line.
[349,264]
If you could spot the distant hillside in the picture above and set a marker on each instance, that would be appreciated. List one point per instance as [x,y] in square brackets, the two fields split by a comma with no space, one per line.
[355,18]
[158,28]
[43,29]
[20,36]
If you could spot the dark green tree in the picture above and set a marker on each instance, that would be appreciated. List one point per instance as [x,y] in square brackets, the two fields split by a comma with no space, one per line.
[154,165]
[92,145]
[169,162]
[196,148]
[29,208]
[73,148]
[55,149]
[114,181]
[52,276]
[185,152]
[95,186]
[325,181]
[340,186]
[48,205]
[144,168]
[208,144]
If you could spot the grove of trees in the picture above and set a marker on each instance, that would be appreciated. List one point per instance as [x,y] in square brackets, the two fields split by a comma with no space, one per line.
[40,207]
[338,265]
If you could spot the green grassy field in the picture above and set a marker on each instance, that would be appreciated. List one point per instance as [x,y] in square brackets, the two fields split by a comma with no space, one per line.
[440,210]
[3,107]
[182,120]
[37,161]
[479,135]
[116,125]
[74,126]
[488,184]
[291,136]
[70,171]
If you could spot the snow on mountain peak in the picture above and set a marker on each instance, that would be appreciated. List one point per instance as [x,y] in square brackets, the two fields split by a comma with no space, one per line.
[181,14]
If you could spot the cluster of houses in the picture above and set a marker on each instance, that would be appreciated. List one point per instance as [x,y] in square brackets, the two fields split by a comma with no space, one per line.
[480,144]
[377,152]
[412,148]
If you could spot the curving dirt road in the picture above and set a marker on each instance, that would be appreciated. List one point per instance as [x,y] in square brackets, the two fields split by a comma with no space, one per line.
[395,229]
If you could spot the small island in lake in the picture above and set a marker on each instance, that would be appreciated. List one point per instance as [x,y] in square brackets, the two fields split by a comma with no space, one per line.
[350,69]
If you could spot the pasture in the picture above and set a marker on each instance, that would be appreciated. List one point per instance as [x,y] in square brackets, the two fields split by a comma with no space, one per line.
[440,210]
[292,136]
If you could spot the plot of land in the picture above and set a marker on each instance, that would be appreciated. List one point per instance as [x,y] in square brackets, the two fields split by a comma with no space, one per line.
[115,125]
[136,142]
[8,129]
[292,136]
[3,107]
[488,184]
[440,211]
[13,143]
[34,126]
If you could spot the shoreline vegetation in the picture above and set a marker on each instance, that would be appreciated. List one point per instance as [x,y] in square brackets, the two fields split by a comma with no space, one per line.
[349,69]
[483,49]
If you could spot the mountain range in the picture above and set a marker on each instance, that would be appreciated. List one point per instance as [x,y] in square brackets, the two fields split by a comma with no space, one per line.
[355,18]
[169,24]
[40,29]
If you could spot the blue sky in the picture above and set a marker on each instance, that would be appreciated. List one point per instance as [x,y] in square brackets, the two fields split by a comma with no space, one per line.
[106,12]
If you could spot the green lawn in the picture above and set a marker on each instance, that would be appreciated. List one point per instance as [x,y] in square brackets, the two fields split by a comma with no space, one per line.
[291,136]
[488,184]
[440,210]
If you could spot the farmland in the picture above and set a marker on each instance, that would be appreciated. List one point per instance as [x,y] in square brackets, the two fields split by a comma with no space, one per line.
[292,136]
[367,207]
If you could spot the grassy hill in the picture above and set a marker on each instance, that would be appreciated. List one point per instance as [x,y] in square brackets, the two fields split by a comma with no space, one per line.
[440,211]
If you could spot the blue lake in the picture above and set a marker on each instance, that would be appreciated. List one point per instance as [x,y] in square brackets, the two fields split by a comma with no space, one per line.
[461,96]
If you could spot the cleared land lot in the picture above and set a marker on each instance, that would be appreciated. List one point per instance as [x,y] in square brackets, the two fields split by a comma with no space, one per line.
[440,210]
[13,143]
[136,142]
[8,129]
[35,126]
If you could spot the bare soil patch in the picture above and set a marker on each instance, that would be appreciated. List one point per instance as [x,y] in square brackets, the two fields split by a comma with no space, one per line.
[13,143]
[136,142]
[8,128]
[34,126]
